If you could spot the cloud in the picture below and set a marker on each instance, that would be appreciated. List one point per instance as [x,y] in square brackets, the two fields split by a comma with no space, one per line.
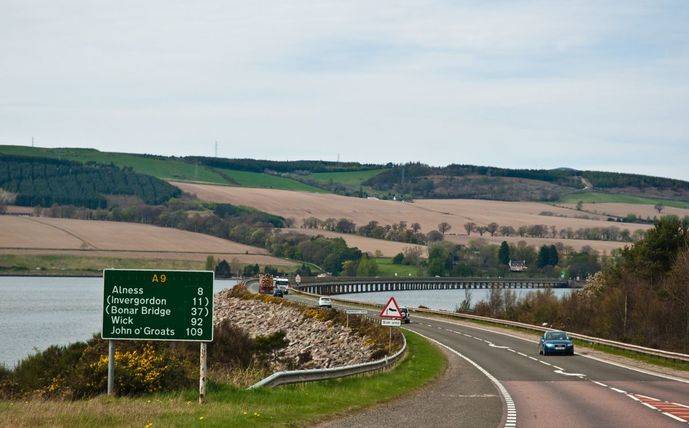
[527,84]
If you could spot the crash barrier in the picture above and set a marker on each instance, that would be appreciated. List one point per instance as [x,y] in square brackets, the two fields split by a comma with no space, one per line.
[588,339]
[300,376]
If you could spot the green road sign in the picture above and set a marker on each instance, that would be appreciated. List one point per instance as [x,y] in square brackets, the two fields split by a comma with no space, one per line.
[158,305]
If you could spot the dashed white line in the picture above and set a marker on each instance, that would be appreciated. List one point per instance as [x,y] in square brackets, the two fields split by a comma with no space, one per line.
[511,419]
[600,383]
[621,391]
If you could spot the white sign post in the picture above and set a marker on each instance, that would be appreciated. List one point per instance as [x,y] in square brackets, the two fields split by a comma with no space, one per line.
[392,316]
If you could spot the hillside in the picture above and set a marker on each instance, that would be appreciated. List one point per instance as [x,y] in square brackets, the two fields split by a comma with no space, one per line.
[427,212]
[479,182]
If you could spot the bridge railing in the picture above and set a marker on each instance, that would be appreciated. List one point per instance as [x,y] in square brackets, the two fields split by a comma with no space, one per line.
[300,376]
[589,339]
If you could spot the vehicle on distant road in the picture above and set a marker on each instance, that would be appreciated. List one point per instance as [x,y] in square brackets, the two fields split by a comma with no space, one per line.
[555,342]
[266,284]
[282,284]
[404,312]
[325,302]
[278,293]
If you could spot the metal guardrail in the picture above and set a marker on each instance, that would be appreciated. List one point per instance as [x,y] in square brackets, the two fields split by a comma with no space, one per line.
[300,376]
[590,339]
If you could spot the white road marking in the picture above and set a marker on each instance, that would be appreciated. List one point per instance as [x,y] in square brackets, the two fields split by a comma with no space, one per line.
[649,406]
[511,419]
[579,375]
[677,418]
[633,397]
[544,362]
[681,405]
[621,391]
[601,360]
[600,383]
[646,396]
[558,367]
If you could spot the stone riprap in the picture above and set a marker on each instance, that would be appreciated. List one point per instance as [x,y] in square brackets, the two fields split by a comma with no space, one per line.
[329,344]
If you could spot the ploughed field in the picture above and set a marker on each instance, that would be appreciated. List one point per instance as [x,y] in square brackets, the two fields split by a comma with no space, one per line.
[43,235]
[622,210]
[427,212]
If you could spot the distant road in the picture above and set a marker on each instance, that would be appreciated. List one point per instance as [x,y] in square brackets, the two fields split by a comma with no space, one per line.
[558,390]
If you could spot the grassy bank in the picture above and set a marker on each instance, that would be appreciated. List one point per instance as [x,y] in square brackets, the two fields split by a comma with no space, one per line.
[350,178]
[47,264]
[598,197]
[292,405]
[388,269]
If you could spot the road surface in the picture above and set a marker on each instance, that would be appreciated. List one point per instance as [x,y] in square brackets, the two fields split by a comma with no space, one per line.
[556,390]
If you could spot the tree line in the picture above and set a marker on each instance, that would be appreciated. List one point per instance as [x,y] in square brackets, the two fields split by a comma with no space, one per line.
[640,296]
[44,182]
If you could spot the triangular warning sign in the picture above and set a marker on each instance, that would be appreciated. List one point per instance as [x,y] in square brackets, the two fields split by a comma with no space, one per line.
[391,310]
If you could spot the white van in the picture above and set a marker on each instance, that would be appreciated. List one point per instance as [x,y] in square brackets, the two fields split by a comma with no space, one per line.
[282,284]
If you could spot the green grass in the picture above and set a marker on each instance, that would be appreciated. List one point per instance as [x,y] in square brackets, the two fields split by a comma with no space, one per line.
[163,168]
[48,264]
[292,405]
[598,197]
[349,178]
[258,179]
[389,269]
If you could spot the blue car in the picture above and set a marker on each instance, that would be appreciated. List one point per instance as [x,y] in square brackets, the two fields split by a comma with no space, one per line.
[555,342]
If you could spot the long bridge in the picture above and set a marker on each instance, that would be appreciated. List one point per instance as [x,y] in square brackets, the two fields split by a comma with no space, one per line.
[371,285]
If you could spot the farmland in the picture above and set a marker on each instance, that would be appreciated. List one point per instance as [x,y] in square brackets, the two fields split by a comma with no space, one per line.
[369,245]
[31,236]
[598,197]
[428,212]
[350,178]
[624,209]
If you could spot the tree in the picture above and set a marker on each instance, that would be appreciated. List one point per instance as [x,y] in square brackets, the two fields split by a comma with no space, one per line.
[304,270]
[344,225]
[553,256]
[210,263]
[469,227]
[222,270]
[444,227]
[434,236]
[367,267]
[659,208]
[415,227]
[481,230]
[398,259]
[543,257]
[412,255]
[492,228]
[504,253]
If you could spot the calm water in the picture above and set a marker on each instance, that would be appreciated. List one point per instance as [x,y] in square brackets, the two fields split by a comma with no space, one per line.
[36,312]
[437,299]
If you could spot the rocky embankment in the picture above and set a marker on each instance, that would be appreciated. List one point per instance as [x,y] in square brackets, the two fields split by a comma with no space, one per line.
[312,343]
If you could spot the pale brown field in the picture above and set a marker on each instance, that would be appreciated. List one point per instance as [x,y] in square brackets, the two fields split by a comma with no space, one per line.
[621,210]
[42,235]
[369,245]
[427,212]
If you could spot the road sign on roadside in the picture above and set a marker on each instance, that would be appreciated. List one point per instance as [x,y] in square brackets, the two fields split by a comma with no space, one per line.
[356,312]
[158,305]
[391,310]
[390,322]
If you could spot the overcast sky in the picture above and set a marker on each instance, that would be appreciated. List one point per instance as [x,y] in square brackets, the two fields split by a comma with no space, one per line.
[533,84]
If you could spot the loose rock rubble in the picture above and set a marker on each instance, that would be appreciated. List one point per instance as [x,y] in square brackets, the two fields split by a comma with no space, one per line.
[329,344]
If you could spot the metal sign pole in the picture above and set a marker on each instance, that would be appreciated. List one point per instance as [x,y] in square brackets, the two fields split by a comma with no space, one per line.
[390,340]
[111,367]
[202,372]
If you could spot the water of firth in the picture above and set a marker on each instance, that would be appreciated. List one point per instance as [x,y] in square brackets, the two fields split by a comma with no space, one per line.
[437,299]
[36,312]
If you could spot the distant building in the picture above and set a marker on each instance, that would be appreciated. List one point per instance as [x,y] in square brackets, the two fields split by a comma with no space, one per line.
[517,265]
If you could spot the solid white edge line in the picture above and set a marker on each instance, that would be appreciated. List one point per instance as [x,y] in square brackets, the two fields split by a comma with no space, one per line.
[618,390]
[612,363]
[649,406]
[677,418]
[507,398]
[680,405]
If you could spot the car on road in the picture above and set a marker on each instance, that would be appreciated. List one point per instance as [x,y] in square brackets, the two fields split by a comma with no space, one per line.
[404,312]
[282,284]
[325,302]
[278,293]
[555,342]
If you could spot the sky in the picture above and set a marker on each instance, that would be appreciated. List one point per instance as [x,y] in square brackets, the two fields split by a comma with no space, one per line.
[525,84]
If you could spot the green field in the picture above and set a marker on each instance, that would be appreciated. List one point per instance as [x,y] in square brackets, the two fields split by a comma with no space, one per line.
[258,179]
[292,405]
[166,168]
[598,197]
[349,178]
[389,269]
[160,167]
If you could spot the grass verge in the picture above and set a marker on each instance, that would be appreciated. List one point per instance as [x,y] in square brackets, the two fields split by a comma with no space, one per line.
[292,405]
[387,268]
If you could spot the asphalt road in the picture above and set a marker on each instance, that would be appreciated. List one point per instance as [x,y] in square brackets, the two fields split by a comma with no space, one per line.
[555,390]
